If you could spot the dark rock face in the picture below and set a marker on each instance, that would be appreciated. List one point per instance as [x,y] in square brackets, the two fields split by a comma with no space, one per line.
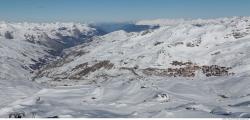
[194,43]
[8,35]
[38,64]
[238,35]
[157,43]
[188,69]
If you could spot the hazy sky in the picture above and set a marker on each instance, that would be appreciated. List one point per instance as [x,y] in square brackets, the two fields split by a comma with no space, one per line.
[118,10]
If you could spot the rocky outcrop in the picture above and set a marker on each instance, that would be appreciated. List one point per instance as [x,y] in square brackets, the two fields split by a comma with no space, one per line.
[8,35]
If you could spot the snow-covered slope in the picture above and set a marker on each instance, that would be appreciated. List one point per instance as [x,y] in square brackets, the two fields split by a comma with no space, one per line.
[201,43]
[25,47]
[185,68]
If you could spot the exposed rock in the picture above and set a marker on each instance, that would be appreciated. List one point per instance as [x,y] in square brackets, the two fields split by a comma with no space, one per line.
[8,35]
[81,66]
[29,38]
[238,35]
[189,44]
[198,25]
[178,43]
[163,97]
[216,53]
[157,43]
[223,96]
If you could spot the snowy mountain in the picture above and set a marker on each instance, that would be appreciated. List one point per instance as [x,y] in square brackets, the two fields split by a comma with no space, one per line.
[183,68]
[25,47]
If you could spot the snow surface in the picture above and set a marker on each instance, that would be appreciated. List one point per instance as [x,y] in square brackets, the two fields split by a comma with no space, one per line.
[74,85]
[18,53]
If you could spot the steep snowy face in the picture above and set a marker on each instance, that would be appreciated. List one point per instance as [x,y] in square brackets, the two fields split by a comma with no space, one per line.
[25,47]
[196,48]
[29,45]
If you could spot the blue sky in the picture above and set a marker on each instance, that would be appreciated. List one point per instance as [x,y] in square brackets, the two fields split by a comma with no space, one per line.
[118,10]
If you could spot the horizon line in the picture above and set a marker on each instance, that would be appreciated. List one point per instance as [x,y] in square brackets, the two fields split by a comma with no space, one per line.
[124,21]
